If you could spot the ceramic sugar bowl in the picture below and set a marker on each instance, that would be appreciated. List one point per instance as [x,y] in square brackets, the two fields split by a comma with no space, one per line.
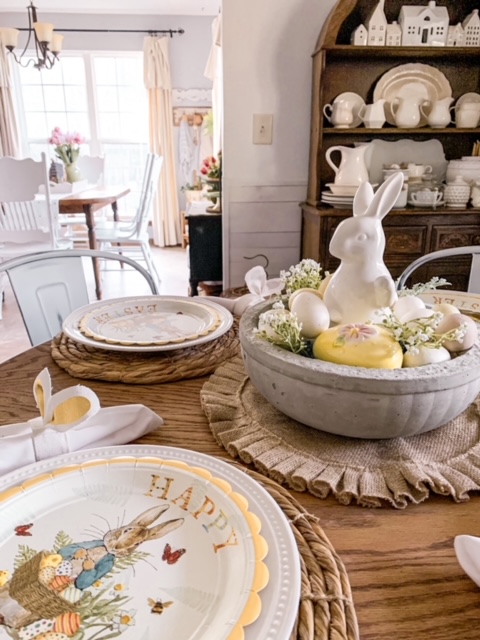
[457,193]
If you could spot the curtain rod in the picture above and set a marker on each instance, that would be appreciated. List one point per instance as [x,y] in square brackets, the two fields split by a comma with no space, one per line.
[151,32]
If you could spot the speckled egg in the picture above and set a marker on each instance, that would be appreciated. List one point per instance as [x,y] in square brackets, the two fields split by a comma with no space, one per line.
[52,560]
[426,355]
[312,314]
[67,623]
[64,568]
[453,321]
[46,575]
[359,345]
[71,594]
[33,630]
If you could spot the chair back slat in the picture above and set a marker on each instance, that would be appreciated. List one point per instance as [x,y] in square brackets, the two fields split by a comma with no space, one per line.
[150,189]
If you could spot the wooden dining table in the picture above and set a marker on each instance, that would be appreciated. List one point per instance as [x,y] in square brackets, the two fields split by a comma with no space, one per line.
[89,202]
[406,582]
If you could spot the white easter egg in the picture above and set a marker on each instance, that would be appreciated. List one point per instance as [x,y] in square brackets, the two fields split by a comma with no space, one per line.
[71,594]
[453,321]
[312,313]
[426,355]
[407,305]
[298,291]
[445,308]
[264,322]
[416,314]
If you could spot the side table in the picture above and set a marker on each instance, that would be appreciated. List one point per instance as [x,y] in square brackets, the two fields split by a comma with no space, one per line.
[205,249]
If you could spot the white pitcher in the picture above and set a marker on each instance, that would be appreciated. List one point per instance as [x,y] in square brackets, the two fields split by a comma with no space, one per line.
[373,115]
[437,112]
[352,168]
[406,111]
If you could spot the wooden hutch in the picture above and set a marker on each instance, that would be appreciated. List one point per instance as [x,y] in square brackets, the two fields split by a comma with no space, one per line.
[339,66]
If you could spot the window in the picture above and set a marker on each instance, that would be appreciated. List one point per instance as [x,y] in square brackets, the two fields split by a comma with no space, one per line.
[102,96]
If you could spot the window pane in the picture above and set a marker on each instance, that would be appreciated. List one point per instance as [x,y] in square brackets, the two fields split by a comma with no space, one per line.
[107,99]
[109,124]
[56,119]
[105,70]
[53,75]
[75,98]
[129,71]
[33,98]
[30,75]
[54,98]
[36,125]
[130,98]
[37,149]
[78,122]
[73,70]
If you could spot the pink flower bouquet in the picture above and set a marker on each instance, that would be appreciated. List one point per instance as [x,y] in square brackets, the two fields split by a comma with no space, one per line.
[67,145]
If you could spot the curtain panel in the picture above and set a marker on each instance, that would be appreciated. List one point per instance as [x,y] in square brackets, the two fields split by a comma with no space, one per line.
[9,137]
[166,215]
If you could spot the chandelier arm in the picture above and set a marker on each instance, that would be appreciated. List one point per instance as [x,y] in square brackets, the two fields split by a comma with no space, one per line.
[30,29]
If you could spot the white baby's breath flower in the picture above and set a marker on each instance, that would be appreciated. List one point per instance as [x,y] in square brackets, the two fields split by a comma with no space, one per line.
[281,327]
[422,287]
[305,274]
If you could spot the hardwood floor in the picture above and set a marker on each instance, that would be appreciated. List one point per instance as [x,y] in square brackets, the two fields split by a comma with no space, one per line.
[171,263]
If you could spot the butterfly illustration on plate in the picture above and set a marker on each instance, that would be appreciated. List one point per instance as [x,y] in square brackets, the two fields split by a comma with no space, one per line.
[157,606]
[23,529]
[171,557]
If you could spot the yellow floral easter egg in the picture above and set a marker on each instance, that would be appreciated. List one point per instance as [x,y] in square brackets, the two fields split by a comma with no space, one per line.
[359,345]
[4,577]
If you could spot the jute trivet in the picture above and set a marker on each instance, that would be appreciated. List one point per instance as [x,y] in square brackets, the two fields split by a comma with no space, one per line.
[445,461]
[326,610]
[82,361]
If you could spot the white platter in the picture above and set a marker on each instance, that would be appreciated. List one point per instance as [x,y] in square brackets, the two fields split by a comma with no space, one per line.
[411,80]
[357,103]
[463,300]
[149,320]
[72,330]
[468,97]
[281,595]
[388,152]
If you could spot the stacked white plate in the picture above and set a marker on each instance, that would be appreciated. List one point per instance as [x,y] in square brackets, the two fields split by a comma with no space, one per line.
[339,195]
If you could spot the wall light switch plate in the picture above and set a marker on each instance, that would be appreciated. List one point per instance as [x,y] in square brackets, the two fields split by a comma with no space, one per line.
[262,128]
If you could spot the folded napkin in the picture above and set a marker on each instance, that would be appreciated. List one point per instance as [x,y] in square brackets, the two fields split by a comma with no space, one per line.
[71,419]
[259,287]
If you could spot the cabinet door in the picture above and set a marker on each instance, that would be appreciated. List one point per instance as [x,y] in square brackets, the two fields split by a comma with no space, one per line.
[205,239]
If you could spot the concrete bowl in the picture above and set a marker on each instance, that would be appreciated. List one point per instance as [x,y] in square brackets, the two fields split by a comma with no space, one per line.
[355,401]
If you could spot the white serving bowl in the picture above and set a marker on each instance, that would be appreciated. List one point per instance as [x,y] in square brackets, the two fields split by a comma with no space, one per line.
[355,401]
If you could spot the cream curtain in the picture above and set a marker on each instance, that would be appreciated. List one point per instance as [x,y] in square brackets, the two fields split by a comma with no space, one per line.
[166,216]
[9,138]
[214,71]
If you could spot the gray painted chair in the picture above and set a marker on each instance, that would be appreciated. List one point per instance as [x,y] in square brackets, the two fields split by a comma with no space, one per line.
[474,281]
[50,285]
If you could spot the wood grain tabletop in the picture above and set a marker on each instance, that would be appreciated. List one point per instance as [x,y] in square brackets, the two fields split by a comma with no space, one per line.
[406,582]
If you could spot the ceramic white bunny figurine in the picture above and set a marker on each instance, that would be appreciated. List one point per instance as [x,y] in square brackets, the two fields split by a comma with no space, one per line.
[362,284]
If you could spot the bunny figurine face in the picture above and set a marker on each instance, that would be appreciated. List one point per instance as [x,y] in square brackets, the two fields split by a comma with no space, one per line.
[362,285]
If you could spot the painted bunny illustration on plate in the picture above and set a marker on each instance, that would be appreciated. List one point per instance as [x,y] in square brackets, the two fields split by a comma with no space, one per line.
[362,284]
[93,559]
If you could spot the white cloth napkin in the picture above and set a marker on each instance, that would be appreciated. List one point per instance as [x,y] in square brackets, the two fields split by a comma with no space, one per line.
[259,287]
[71,419]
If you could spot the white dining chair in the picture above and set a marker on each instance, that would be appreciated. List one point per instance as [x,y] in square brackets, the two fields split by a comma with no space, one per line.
[49,285]
[28,222]
[132,237]
[474,251]
[92,169]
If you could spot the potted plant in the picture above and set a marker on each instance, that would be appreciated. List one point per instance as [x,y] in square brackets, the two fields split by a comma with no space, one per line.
[211,174]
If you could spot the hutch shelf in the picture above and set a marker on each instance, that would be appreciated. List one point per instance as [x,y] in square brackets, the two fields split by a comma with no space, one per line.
[339,67]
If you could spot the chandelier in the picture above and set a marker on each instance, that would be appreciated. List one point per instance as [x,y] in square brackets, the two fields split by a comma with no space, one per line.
[47,43]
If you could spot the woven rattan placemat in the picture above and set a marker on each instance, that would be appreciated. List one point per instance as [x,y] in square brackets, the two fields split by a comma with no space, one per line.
[82,361]
[326,610]
[399,471]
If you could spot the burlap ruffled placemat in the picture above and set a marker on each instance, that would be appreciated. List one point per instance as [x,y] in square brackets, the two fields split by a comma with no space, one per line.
[82,361]
[369,472]
[326,610]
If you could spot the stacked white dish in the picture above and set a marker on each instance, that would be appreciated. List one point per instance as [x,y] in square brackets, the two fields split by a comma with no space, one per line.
[340,195]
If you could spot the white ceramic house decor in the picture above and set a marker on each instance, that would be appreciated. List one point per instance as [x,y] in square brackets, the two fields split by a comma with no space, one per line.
[471,27]
[376,25]
[394,35]
[456,35]
[359,36]
[424,26]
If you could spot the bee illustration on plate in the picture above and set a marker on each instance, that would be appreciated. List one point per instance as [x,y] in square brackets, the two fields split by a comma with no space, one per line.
[157,606]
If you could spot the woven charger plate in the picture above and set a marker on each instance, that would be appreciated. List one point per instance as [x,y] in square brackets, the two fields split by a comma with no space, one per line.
[374,473]
[326,610]
[82,361]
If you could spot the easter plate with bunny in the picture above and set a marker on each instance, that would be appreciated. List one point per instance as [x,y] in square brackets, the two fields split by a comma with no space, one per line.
[133,548]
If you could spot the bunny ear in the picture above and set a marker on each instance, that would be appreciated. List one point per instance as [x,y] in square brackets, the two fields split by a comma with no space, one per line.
[363,198]
[386,196]
[162,529]
[149,516]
